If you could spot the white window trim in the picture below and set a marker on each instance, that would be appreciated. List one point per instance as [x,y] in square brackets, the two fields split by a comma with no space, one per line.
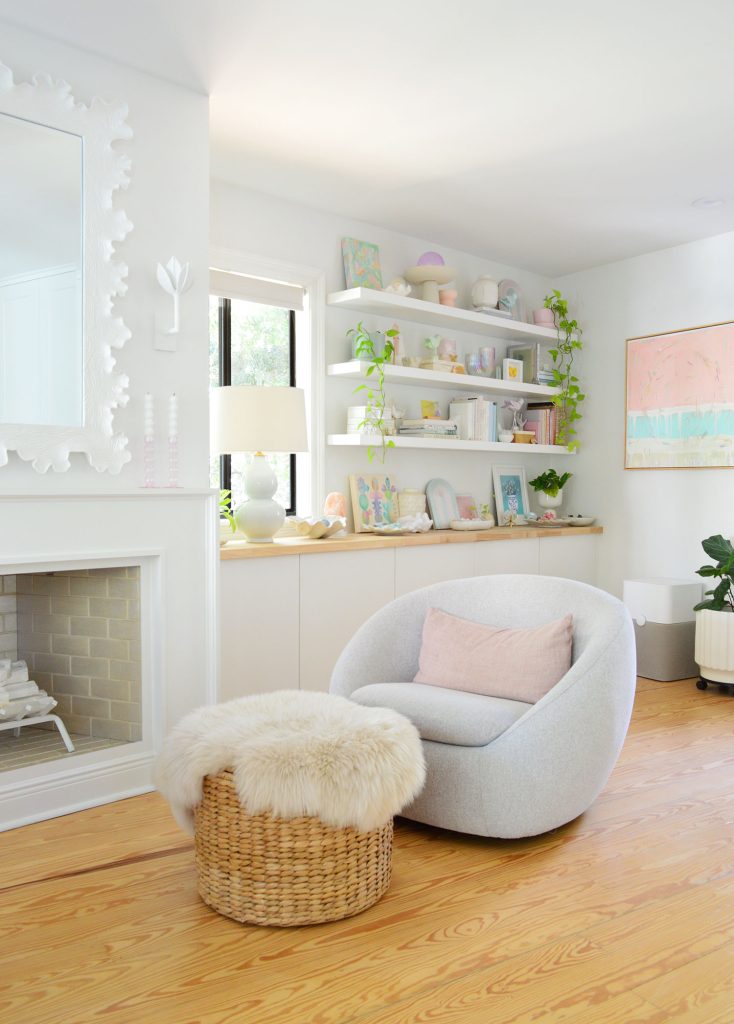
[311,329]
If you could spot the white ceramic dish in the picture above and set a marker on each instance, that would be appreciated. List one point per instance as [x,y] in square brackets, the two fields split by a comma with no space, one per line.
[469,524]
[579,521]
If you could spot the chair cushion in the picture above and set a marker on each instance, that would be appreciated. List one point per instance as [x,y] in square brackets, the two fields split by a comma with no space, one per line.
[446,716]
[520,664]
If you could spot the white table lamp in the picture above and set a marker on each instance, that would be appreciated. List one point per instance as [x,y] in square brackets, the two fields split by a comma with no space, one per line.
[258,419]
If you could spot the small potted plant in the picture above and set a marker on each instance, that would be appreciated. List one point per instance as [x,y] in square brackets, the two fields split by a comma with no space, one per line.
[714,651]
[227,524]
[549,488]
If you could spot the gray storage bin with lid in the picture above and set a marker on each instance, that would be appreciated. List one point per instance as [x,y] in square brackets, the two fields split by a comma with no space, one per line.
[665,626]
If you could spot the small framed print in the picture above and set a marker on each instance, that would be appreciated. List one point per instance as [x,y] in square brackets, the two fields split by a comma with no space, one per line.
[512,369]
[467,506]
[529,355]
[510,493]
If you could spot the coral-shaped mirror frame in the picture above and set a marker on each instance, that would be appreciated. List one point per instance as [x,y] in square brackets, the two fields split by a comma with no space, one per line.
[99,125]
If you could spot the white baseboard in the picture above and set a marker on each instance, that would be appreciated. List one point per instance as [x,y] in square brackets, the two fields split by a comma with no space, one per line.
[75,790]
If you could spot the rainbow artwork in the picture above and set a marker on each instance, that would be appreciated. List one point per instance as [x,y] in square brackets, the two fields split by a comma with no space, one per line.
[680,399]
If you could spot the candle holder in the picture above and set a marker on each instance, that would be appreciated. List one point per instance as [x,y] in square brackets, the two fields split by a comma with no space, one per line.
[149,442]
[173,461]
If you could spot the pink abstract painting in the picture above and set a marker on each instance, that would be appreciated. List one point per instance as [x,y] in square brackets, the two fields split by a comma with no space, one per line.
[680,399]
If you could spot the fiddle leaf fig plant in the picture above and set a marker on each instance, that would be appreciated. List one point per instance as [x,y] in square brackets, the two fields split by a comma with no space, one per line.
[364,348]
[721,597]
[570,395]
[550,482]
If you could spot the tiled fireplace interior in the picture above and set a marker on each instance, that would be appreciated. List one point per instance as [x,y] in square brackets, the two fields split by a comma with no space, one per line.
[79,632]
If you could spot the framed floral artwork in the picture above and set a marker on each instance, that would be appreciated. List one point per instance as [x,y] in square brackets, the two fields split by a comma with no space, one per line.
[510,492]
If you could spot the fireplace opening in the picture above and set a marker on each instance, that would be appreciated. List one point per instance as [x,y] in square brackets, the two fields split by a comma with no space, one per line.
[69,649]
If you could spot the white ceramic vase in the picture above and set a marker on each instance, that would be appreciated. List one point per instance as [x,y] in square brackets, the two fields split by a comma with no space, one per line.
[714,651]
[485,293]
[550,500]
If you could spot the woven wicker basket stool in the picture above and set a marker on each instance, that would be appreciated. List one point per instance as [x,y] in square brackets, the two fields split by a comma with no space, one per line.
[292,797]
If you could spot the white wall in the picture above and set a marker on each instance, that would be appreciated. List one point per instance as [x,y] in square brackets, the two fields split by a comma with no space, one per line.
[167,201]
[251,222]
[654,520]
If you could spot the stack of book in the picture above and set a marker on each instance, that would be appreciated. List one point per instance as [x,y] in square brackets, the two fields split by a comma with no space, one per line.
[544,377]
[542,419]
[429,428]
[475,417]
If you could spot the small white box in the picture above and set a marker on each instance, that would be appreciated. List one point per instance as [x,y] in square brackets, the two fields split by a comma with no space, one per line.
[661,599]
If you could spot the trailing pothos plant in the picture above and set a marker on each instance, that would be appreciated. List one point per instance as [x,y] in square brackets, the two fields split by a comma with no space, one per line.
[364,348]
[721,598]
[570,394]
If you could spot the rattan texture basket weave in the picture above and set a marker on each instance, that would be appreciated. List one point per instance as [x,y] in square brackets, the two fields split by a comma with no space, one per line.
[274,871]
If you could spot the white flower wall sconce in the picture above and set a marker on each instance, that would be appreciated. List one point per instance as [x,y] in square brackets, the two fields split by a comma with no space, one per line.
[175,279]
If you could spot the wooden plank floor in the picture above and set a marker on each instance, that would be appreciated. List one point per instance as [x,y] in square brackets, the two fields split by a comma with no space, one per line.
[625,916]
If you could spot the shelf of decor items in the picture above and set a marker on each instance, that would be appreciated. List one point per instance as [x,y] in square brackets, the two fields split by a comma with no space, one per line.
[356,369]
[369,300]
[447,444]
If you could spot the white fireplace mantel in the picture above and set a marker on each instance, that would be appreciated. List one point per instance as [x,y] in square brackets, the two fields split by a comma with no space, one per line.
[175,541]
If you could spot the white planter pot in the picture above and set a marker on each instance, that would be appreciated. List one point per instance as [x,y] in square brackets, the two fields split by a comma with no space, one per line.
[714,652]
[549,501]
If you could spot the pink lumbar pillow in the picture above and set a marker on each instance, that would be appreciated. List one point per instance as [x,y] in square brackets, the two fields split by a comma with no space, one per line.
[520,664]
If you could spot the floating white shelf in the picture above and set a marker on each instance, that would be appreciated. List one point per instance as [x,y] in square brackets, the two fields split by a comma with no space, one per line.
[356,369]
[448,443]
[369,300]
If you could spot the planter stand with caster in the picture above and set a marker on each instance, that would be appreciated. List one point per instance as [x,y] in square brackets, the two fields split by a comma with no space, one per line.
[703,684]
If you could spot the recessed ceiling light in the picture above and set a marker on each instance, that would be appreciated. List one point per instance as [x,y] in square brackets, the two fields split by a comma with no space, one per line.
[708,204]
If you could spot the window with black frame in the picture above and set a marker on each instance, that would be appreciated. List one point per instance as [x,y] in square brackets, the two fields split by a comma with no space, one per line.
[251,342]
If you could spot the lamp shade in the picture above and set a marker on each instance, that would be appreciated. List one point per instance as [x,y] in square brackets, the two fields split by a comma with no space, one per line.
[258,419]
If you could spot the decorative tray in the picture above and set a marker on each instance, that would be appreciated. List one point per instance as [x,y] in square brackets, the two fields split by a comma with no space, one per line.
[470,524]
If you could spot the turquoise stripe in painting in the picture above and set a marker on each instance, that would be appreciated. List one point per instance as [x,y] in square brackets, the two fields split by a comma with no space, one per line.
[681,425]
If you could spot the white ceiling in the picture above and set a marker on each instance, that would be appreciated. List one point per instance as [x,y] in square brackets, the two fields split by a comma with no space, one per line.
[553,135]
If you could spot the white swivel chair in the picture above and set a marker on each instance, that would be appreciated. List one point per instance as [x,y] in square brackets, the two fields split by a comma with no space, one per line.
[500,767]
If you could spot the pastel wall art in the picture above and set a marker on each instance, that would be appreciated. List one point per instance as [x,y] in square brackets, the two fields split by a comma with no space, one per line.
[361,264]
[374,501]
[680,399]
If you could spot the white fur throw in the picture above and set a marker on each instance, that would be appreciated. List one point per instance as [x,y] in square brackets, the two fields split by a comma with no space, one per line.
[296,753]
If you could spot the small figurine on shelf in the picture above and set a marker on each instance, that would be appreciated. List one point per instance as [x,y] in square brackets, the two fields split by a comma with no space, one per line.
[396,344]
[447,350]
[431,345]
[398,286]
[516,406]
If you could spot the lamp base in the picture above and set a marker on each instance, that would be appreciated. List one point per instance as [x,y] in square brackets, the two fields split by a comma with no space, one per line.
[260,518]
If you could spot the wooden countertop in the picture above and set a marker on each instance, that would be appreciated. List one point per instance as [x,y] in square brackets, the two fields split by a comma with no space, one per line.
[371,542]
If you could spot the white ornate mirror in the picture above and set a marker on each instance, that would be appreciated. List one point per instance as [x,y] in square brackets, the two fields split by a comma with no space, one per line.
[58,280]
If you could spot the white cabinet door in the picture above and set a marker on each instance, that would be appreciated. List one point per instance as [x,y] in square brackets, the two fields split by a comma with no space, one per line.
[338,593]
[259,625]
[506,556]
[419,567]
[571,557]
